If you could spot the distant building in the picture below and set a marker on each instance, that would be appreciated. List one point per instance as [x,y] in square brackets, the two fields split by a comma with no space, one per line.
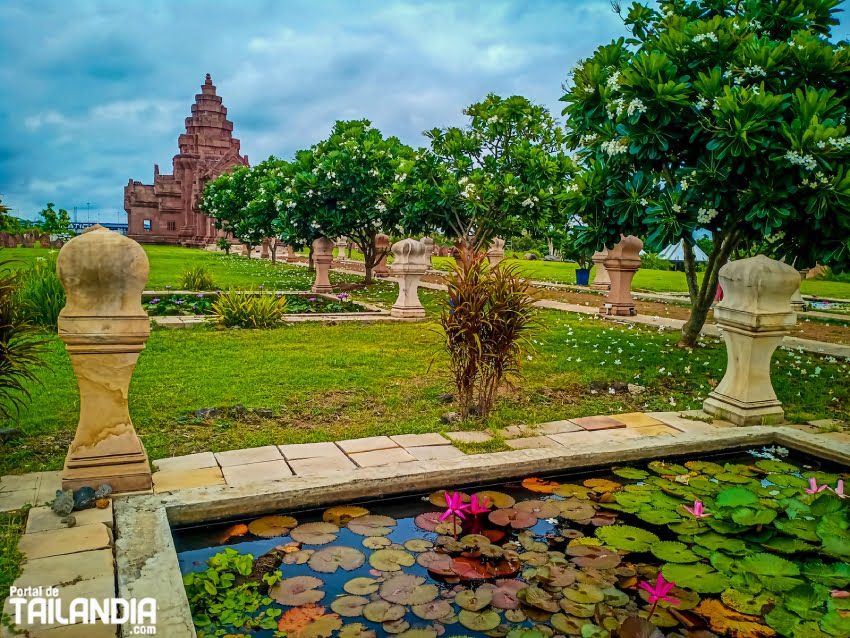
[168,211]
[79,227]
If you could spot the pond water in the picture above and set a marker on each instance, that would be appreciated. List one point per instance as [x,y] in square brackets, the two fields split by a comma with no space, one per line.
[744,546]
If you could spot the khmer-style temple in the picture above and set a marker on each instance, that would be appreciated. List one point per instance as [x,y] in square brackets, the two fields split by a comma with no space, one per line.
[168,211]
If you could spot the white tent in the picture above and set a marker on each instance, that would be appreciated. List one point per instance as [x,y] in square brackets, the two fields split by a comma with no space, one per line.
[676,253]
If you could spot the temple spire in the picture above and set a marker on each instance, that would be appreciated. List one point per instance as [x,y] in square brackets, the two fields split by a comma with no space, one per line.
[208,80]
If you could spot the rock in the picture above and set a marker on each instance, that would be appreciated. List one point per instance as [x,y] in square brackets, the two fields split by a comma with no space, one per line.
[636,389]
[450,417]
[101,503]
[550,258]
[447,397]
[530,257]
[7,434]
[609,387]
[239,410]
[84,498]
[69,520]
[103,491]
[264,413]
[207,413]
[63,504]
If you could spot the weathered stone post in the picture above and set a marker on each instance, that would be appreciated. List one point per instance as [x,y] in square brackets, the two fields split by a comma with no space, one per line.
[410,264]
[264,254]
[601,281]
[622,262]
[323,255]
[755,315]
[341,244]
[382,246]
[104,328]
[429,248]
[291,255]
[798,304]
[496,252]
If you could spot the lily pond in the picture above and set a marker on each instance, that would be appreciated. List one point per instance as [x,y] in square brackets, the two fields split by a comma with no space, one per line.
[745,546]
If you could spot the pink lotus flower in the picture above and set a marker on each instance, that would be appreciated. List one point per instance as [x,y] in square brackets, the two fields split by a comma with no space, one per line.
[659,592]
[697,511]
[839,489]
[837,593]
[479,507]
[814,488]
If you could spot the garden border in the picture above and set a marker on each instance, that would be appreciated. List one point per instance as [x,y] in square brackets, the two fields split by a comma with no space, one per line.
[146,558]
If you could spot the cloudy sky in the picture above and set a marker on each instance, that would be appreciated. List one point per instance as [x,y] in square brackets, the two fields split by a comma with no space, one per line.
[95,92]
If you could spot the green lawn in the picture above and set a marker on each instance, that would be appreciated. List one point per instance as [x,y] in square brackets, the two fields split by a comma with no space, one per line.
[11,529]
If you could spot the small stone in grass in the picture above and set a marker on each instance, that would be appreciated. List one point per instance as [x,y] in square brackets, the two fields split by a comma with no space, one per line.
[103,491]
[63,504]
[68,521]
[84,498]
[450,417]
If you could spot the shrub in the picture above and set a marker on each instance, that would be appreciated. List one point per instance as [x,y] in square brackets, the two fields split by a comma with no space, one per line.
[485,325]
[651,261]
[197,278]
[223,243]
[40,295]
[249,310]
[21,347]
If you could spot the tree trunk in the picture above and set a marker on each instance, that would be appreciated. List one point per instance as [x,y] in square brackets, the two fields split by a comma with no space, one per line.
[690,271]
[274,251]
[250,250]
[310,265]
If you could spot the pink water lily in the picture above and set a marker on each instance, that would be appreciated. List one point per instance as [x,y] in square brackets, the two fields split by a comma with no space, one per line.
[837,593]
[814,488]
[659,592]
[839,489]
[479,507]
[697,511]
[455,507]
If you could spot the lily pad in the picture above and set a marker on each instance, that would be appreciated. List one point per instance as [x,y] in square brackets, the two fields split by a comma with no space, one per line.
[328,560]
[298,557]
[514,518]
[372,525]
[474,600]
[537,597]
[700,577]
[309,621]
[505,594]
[408,589]
[728,622]
[542,486]
[418,545]
[272,526]
[361,586]
[541,509]
[438,499]
[746,603]
[357,630]
[584,593]
[315,533]
[626,537]
[673,552]
[433,610]
[479,620]
[297,591]
[632,473]
[349,606]
[418,632]
[736,497]
[499,500]
[376,542]
[603,486]
[391,560]
[574,509]
[382,611]
[666,469]
[428,521]
[395,626]
[579,610]
[568,490]
[340,515]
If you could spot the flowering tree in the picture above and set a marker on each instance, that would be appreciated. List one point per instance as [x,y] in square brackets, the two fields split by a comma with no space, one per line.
[341,188]
[723,115]
[226,199]
[297,208]
[499,175]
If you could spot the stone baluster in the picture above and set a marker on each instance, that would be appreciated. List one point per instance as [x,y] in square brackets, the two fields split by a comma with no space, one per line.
[264,251]
[622,262]
[755,315]
[409,265]
[429,248]
[104,328]
[323,256]
[601,281]
[291,255]
[496,252]
[382,246]
[341,244]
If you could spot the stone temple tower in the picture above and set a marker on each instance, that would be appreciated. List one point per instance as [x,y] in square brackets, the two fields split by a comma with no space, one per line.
[168,211]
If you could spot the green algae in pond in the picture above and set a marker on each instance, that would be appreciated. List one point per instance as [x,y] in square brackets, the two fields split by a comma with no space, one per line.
[748,549]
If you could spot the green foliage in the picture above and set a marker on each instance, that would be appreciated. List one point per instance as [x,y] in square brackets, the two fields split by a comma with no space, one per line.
[226,199]
[651,261]
[21,347]
[573,250]
[40,294]
[497,176]
[223,243]
[485,324]
[179,305]
[221,596]
[196,278]
[12,526]
[55,222]
[249,309]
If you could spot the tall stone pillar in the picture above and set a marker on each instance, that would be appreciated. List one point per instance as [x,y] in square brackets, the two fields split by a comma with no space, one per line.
[382,246]
[341,244]
[291,255]
[601,281]
[496,252]
[429,248]
[622,262]
[323,255]
[798,304]
[264,254]
[104,328]
[755,316]
[409,265]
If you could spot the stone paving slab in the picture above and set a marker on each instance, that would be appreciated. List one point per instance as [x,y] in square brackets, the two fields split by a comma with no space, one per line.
[184,479]
[473,436]
[48,484]
[657,430]
[297,451]
[18,482]
[435,452]
[515,431]
[322,465]
[249,455]
[420,440]
[636,419]
[189,462]
[97,588]
[59,571]
[578,440]
[43,519]
[367,444]
[556,427]
[532,443]
[597,423]
[17,500]
[382,457]
[65,541]
[256,472]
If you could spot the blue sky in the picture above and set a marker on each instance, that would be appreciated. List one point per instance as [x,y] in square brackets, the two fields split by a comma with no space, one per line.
[96,92]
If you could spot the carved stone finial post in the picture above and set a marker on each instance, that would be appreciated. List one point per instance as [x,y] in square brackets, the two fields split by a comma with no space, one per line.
[341,244]
[429,248]
[382,245]
[410,264]
[798,304]
[755,315]
[496,252]
[323,255]
[601,281]
[104,328]
[291,255]
[622,262]
[264,254]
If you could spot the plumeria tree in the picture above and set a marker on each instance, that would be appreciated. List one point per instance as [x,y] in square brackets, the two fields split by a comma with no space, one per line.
[55,222]
[226,199]
[498,175]
[723,115]
[341,188]
[297,208]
